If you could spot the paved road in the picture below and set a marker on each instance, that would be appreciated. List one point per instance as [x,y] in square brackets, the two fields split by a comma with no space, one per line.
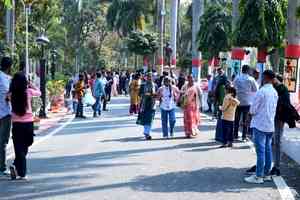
[107,159]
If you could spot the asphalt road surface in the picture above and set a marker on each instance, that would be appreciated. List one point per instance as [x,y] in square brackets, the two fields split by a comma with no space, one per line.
[107,159]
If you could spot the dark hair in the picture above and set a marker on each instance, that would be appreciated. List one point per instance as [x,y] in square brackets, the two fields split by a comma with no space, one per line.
[18,89]
[231,90]
[269,73]
[6,63]
[98,74]
[279,78]
[245,69]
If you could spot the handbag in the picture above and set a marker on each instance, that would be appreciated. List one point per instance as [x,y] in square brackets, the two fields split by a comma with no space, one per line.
[88,98]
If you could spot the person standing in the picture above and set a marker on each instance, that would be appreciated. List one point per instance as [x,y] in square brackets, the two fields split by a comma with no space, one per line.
[263,111]
[134,89]
[181,80]
[245,86]
[210,96]
[192,104]
[22,131]
[148,105]
[5,112]
[168,95]
[79,89]
[220,84]
[98,92]
[285,113]
[228,109]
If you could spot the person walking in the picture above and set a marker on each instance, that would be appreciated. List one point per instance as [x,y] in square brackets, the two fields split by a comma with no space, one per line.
[134,89]
[246,87]
[263,111]
[148,105]
[79,89]
[168,95]
[98,92]
[228,109]
[5,112]
[191,106]
[210,95]
[22,129]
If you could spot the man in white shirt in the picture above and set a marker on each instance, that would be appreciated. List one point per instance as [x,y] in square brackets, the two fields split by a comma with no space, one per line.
[5,112]
[245,86]
[263,111]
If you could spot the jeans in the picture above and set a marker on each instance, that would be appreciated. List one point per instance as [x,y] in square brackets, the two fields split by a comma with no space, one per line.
[279,126]
[227,128]
[97,106]
[168,116]
[5,125]
[147,130]
[244,111]
[75,105]
[263,145]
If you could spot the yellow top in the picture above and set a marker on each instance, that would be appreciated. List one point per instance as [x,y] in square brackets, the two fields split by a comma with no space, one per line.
[229,107]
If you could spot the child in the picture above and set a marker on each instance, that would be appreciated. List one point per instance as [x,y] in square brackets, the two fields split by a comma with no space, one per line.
[22,119]
[228,109]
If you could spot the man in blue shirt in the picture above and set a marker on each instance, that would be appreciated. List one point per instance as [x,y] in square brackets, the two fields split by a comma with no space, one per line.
[5,112]
[98,92]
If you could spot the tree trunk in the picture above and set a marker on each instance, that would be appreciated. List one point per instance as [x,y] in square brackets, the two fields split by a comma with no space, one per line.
[293,48]
[198,9]
[235,14]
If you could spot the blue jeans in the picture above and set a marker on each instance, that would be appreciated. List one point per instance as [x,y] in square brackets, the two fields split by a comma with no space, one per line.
[147,130]
[97,106]
[168,116]
[263,145]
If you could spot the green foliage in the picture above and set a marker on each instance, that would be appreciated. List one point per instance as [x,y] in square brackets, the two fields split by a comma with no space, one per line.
[262,23]
[215,33]
[298,12]
[55,87]
[124,16]
[142,43]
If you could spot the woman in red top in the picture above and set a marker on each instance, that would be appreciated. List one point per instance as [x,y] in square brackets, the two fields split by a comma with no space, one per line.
[22,118]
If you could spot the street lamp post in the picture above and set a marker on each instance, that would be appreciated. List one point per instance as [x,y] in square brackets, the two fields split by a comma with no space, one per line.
[27,6]
[43,41]
[53,64]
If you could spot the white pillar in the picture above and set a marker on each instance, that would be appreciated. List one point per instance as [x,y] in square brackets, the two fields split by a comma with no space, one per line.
[174,15]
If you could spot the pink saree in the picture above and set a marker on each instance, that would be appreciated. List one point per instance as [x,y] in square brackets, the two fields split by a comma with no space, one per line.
[191,112]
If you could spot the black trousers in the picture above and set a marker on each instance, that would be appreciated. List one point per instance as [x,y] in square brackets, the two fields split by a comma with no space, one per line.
[22,134]
[79,112]
[227,129]
[241,111]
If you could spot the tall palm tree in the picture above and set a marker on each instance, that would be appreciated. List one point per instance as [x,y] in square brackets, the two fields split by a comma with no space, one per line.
[125,16]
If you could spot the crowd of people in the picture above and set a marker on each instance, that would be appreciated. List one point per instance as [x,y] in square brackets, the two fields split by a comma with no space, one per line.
[258,103]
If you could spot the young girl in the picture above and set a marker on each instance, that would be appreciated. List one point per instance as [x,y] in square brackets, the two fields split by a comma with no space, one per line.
[228,109]
[22,119]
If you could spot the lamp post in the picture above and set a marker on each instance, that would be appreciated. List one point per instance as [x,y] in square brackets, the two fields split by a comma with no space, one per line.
[27,7]
[43,41]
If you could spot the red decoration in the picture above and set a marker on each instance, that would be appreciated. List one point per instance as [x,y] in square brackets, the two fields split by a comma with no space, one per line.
[214,62]
[262,55]
[160,61]
[196,62]
[173,61]
[237,54]
[292,51]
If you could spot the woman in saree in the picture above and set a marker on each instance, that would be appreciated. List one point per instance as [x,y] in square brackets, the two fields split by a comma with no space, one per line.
[134,89]
[147,107]
[191,108]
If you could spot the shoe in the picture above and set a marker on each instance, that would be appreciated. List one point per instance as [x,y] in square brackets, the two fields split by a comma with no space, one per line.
[13,172]
[244,140]
[223,146]
[275,172]
[251,171]
[230,145]
[95,115]
[148,137]
[82,117]
[254,179]
[22,178]
[268,178]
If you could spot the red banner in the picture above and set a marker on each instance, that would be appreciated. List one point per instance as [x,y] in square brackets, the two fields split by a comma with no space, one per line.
[237,54]
[262,56]
[292,51]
